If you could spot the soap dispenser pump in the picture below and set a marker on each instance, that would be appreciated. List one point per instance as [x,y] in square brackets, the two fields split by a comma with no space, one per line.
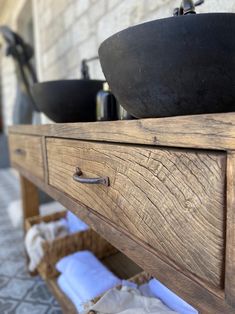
[106,105]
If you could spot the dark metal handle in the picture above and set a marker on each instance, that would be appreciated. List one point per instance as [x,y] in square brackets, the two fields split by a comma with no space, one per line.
[78,178]
[20,151]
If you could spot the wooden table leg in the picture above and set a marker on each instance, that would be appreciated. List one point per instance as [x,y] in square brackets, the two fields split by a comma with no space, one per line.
[30,198]
[30,202]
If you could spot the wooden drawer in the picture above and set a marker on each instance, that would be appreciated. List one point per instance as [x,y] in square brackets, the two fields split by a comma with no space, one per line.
[172,200]
[26,151]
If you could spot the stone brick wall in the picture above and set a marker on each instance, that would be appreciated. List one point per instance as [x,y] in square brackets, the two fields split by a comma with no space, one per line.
[67,31]
[72,30]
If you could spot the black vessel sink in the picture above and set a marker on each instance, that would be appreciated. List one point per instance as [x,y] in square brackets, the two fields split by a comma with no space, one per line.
[67,100]
[174,66]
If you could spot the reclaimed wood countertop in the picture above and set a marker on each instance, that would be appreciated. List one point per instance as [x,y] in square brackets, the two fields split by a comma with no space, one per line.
[211,131]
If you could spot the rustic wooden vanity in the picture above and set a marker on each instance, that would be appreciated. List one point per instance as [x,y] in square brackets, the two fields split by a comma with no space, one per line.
[162,192]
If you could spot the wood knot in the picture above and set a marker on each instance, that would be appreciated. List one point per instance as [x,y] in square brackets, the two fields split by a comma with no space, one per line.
[190,207]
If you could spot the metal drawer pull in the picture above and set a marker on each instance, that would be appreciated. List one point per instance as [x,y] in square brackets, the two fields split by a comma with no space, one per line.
[77,177]
[20,151]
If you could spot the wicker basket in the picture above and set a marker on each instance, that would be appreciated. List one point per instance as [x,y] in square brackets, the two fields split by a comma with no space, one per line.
[141,278]
[55,250]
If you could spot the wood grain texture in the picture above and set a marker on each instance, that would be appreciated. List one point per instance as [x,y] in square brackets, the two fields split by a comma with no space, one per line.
[44,157]
[230,232]
[172,200]
[30,198]
[211,131]
[26,151]
[30,205]
[205,298]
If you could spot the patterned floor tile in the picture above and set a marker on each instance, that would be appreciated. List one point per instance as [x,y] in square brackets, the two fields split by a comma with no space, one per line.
[4,227]
[55,311]
[8,240]
[10,268]
[15,235]
[12,252]
[30,308]
[19,293]
[16,288]
[3,281]
[39,293]
[5,220]
[24,274]
[7,306]
[55,303]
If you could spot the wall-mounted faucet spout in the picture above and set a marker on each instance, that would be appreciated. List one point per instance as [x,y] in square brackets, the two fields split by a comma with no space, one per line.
[187,7]
[85,69]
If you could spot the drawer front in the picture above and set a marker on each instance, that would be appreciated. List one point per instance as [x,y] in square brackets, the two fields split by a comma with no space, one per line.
[172,200]
[26,151]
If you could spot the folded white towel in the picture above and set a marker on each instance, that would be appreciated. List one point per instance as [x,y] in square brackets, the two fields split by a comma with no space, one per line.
[40,233]
[87,275]
[71,294]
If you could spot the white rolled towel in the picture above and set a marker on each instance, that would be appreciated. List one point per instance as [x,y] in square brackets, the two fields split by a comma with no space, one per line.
[86,275]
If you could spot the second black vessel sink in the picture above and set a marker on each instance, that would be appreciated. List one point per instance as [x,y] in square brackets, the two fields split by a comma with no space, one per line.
[67,100]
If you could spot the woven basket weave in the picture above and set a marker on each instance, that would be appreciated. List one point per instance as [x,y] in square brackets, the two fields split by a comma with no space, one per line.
[57,249]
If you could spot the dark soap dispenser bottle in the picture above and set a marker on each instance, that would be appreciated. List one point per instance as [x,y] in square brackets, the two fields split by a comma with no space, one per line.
[106,105]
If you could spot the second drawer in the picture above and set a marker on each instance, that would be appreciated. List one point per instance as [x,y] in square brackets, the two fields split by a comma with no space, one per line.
[172,200]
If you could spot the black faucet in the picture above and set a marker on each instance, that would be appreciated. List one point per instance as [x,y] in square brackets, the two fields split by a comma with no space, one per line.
[85,69]
[22,54]
[187,7]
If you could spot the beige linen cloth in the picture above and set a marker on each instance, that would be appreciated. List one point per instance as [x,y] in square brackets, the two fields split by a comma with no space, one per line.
[127,301]
[40,233]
